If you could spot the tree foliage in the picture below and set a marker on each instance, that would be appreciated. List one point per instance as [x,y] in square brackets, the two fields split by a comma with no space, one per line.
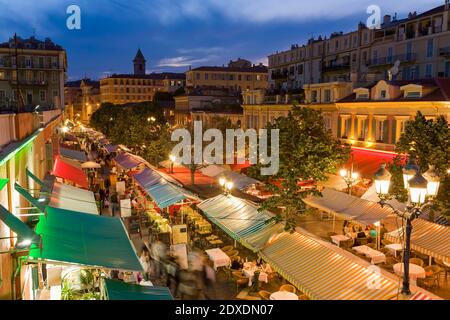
[140,126]
[307,152]
[429,142]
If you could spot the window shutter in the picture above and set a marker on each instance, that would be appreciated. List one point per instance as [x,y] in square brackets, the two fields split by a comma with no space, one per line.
[394,131]
[339,127]
[366,129]
[386,131]
[374,130]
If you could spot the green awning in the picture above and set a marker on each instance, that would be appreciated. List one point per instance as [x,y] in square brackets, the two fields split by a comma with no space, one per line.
[24,192]
[118,290]
[85,239]
[18,226]
[3,183]
[38,181]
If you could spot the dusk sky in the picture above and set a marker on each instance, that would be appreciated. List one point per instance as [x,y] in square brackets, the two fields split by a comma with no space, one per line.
[174,34]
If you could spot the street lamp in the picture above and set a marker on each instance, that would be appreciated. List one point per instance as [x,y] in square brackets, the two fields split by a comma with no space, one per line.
[172,161]
[350,177]
[226,185]
[419,188]
[229,186]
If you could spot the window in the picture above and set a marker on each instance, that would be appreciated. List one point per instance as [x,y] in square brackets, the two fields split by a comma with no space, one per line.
[55,93]
[429,71]
[413,94]
[42,95]
[197,76]
[327,95]
[2,95]
[362,96]
[300,69]
[314,96]
[430,48]
[258,77]
[362,129]
[206,76]
[409,51]
[383,94]
[375,57]
[379,130]
[447,69]
[389,55]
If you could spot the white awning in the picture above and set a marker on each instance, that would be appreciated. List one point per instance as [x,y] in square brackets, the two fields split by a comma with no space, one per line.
[212,170]
[71,198]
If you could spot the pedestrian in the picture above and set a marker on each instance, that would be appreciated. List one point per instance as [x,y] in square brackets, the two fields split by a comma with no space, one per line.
[102,195]
[114,200]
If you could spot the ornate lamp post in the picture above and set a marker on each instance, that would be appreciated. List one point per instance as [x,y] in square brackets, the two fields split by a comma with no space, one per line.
[227,186]
[419,189]
[350,177]
[172,161]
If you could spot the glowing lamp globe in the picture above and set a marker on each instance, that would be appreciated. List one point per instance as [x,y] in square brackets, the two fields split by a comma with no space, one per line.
[409,171]
[382,180]
[418,189]
[434,181]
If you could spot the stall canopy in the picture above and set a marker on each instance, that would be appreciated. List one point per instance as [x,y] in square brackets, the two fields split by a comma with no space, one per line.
[66,171]
[18,226]
[127,161]
[72,198]
[323,273]
[162,192]
[240,181]
[73,154]
[118,290]
[367,162]
[111,148]
[241,220]
[427,237]
[212,170]
[360,211]
[84,239]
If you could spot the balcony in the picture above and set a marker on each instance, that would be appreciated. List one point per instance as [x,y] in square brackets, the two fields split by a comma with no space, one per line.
[335,67]
[444,52]
[386,61]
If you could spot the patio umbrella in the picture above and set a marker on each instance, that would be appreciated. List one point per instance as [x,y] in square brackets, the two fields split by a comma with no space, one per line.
[91,165]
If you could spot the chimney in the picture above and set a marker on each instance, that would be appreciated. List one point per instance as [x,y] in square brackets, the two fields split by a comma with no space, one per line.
[387,19]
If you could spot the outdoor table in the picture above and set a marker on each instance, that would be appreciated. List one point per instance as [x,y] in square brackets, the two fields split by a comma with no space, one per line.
[283,295]
[250,273]
[375,255]
[146,283]
[218,257]
[338,238]
[415,271]
[394,248]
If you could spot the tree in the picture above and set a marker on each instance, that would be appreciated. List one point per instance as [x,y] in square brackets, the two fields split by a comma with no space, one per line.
[307,152]
[429,142]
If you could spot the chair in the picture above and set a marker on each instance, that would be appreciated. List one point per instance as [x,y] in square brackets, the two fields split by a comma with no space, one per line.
[443,267]
[416,261]
[361,241]
[390,262]
[265,295]
[432,279]
[288,288]
[235,258]
[233,253]
[227,248]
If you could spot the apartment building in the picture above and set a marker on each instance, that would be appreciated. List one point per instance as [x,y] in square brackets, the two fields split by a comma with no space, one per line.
[374,117]
[237,77]
[261,108]
[32,73]
[419,43]
[139,86]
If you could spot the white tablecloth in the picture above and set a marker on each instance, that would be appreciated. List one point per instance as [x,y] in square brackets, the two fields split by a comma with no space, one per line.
[283,295]
[250,273]
[374,255]
[415,271]
[394,248]
[218,257]
[338,238]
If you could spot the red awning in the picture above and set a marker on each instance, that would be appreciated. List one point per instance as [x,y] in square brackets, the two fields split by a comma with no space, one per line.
[366,162]
[66,171]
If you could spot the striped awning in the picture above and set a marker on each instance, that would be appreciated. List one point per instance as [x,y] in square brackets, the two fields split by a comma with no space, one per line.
[427,237]
[128,161]
[420,296]
[359,211]
[241,220]
[323,273]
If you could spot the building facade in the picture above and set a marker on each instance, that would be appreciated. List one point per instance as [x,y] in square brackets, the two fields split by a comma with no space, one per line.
[374,117]
[82,99]
[26,142]
[32,73]
[237,77]
[139,86]
[419,44]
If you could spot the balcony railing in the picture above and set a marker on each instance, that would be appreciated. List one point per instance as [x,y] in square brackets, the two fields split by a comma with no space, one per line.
[444,51]
[335,66]
[404,58]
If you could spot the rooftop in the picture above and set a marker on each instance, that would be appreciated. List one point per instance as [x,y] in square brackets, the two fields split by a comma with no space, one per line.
[256,69]
[152,76]
[32,44]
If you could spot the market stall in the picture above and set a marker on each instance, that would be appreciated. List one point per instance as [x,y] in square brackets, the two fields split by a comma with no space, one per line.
[118,290]
[67,172]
